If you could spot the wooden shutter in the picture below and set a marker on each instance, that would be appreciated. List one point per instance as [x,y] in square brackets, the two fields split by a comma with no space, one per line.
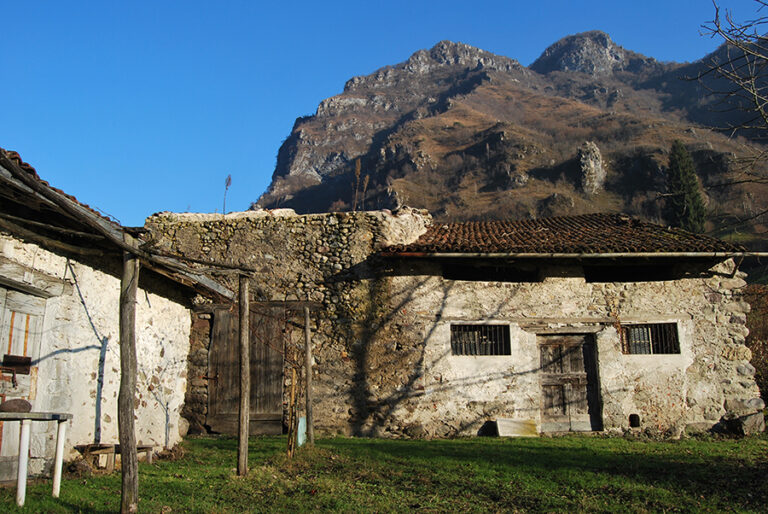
[21,325]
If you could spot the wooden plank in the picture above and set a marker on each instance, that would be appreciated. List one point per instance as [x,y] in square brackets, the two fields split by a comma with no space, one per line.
[47,242]
[575,357]
[551,359]
[308,375]
[223,361]
[7,178]
[21,324]
[565,403]
[266,355]
[245,379]
[30,280]
[553,401]
[127,434]
[53,228]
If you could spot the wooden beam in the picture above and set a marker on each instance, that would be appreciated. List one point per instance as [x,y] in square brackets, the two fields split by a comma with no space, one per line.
[289,305]
[111,231]
[7,178]
[54,228]
[209,262]
[308,378]
[245,380]
[50,243]
[128,368]
[24,278]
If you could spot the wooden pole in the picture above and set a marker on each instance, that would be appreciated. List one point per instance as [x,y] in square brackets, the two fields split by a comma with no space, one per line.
[308,379]
[126,429]
[245,380]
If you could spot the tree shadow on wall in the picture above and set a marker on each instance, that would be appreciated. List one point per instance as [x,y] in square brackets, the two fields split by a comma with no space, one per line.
[387,343]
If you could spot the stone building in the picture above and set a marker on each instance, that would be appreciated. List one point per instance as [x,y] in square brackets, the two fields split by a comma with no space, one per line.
[59,330]
[595,322]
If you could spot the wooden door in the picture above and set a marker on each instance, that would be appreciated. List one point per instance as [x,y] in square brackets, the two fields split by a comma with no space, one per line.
[569,389]
[266,339]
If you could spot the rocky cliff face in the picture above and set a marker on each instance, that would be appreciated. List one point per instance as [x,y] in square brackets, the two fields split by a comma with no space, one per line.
[592,169]
[593,53]
[469,134]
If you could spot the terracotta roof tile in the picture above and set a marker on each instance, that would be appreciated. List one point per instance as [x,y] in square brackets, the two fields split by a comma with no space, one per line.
[588,233]
[14,156]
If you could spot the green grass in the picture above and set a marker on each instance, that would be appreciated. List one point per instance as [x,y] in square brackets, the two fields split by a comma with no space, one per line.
[474,475]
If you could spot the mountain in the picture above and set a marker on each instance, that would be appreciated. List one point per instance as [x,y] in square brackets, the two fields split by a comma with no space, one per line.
[469,134]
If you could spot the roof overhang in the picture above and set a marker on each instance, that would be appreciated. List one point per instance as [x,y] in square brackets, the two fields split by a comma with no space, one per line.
[114,236]
[574,256]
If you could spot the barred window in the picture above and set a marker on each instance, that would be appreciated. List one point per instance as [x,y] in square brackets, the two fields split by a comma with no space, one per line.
[480,340]
[652,338]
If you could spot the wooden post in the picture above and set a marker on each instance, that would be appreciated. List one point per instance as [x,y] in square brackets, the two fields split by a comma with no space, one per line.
[245,380]
[126,428]
[308,371]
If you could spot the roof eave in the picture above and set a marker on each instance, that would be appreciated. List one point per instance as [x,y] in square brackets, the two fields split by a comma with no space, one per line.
[577,256]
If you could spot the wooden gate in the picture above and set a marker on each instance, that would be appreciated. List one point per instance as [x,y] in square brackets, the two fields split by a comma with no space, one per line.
[570,392]
[267,326]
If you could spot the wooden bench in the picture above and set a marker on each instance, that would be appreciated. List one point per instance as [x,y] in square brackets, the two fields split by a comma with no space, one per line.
[92,452]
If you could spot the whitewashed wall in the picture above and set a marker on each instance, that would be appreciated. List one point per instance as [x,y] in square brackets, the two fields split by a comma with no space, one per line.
[690,390]
[79,345]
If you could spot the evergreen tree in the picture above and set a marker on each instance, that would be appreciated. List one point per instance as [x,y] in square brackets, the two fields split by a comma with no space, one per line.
[684,206]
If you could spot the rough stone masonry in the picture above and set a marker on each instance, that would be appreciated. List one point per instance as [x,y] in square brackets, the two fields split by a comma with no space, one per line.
[383,365]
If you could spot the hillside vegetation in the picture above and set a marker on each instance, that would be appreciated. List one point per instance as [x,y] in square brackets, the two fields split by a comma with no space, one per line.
[468,134]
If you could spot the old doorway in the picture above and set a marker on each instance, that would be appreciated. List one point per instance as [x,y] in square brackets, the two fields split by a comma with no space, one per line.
[267,326]
[570,389]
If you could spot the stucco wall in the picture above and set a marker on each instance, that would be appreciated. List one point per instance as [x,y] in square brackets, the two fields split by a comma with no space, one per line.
[381,339]
[79,346]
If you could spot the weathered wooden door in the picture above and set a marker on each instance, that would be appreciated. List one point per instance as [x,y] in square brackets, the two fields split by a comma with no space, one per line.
[570,399]
[266,326]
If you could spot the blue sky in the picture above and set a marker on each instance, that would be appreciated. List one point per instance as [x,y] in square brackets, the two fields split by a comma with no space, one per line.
[137,107]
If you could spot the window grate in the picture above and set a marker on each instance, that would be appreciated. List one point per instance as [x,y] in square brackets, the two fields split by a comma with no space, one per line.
[480,340]
[651,338]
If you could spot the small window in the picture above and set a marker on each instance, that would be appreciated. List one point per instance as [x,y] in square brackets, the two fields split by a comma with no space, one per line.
[480,340]
[652,338]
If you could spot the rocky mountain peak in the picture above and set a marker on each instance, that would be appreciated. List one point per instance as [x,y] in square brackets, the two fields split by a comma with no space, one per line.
[470,134]
[448,53]
[445,54]
[592,52]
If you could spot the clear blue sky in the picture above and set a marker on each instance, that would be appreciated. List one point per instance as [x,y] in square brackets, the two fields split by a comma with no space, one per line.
[142,106]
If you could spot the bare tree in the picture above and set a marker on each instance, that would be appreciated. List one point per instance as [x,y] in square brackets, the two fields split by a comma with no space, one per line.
[738,77]
[743,64]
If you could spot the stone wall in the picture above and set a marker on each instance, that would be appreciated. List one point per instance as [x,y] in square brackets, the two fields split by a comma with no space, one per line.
[383,365]
[76,361]
[709,379]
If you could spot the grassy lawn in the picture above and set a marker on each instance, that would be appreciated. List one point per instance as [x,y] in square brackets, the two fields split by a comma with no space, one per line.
[477,475]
